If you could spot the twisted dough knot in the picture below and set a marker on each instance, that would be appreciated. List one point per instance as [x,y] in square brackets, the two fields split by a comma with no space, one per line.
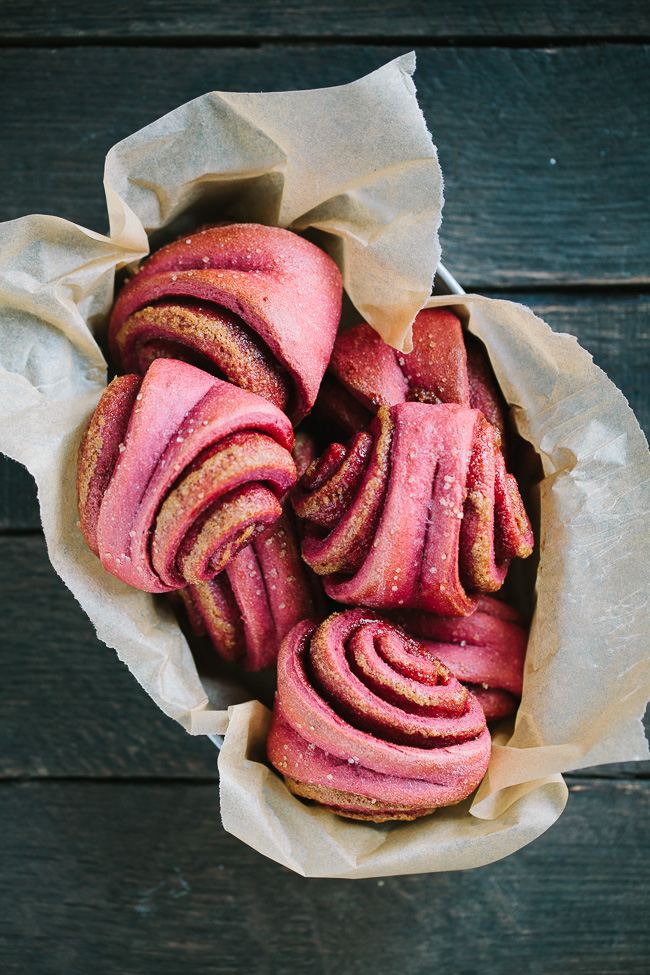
[249,608]
[257,305]
[177,471]
[369,723]
[414,512]
[447,365]
[485,651]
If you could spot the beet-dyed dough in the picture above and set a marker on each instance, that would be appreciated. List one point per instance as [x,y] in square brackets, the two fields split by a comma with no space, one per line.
[260,305]
[417,512]
[446,365]
[248,609]
[370,724]
[485,651]
[100,448]
[199,471]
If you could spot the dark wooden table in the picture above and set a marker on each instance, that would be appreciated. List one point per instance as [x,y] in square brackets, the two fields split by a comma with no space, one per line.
[113,856]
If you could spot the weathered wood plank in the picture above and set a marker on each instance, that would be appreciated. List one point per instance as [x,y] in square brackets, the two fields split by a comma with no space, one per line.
[545,152]
[614,328]
[369,18]
[134,878]
[68,706]
[18,498]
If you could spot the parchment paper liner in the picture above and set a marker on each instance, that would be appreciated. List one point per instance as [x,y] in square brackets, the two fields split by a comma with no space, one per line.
[358,163]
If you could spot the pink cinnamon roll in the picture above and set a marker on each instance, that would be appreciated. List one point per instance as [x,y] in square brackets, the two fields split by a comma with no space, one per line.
[178,471]
[256,305]
[418,511]
[447,365]
[370,724]
[485,651]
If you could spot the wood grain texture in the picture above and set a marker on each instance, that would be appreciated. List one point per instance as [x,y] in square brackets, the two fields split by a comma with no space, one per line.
[369,18]
[18,497]
[68,707]
[545,152]
[130,879]
[614,328]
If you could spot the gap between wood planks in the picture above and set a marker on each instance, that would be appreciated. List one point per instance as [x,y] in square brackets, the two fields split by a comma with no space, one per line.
[633,781]
[234,41]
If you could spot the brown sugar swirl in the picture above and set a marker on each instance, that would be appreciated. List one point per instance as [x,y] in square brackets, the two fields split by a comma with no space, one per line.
[486,651]
[248,609]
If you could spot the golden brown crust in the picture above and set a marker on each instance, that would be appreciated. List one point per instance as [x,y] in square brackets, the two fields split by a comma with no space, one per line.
[478,567]
[215,335]
[87,458]
[353,806]
[525,547]
[209,615]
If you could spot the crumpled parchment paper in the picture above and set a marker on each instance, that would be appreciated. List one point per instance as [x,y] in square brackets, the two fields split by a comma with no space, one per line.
[357,164]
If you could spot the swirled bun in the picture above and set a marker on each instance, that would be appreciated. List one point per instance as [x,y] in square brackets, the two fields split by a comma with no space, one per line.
[447,365]
[177,472]
[371,725]
[258,306]
[418,511]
